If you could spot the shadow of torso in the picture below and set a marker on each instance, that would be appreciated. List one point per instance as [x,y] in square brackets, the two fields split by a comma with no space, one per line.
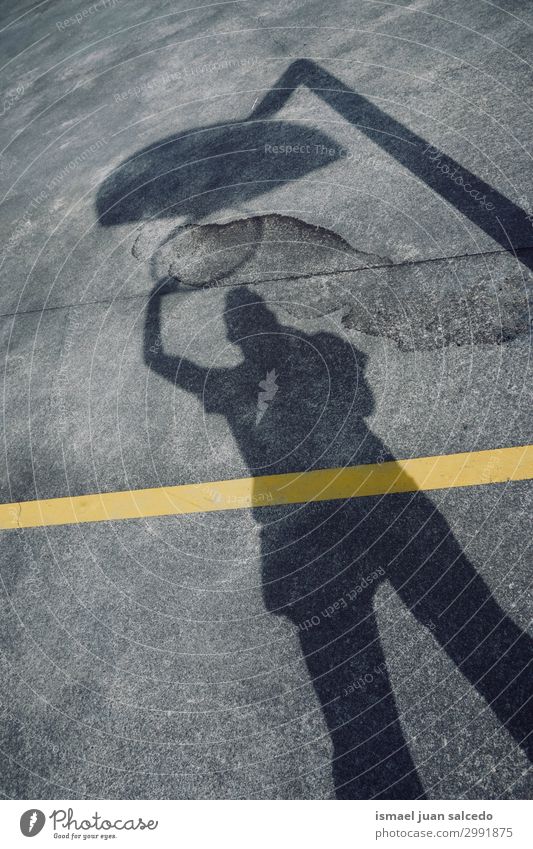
[322,562]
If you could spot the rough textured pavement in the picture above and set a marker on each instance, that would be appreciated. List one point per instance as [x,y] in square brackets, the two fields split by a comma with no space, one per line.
[333,200]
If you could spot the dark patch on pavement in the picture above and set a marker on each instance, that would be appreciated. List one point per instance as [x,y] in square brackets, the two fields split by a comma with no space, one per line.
[250,250]
[432,305]
[419,306]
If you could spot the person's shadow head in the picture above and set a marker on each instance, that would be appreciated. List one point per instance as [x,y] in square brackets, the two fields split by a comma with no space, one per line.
[247,317]
[303,396]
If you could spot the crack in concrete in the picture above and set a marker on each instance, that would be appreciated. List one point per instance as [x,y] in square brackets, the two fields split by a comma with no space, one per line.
[415,312]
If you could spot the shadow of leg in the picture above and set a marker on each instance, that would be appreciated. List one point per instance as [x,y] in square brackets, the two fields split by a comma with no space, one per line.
[438,583]
[346,663]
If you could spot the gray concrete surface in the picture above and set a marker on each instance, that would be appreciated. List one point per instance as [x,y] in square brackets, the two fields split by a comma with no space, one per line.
[153,217]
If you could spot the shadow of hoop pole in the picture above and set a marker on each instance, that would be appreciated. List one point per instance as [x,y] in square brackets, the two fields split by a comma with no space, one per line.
[506,223]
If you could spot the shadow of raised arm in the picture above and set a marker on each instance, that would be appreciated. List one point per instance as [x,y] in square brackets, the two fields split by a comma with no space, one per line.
[180,371]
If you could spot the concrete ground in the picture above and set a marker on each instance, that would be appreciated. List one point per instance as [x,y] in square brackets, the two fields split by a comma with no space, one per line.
[333,200]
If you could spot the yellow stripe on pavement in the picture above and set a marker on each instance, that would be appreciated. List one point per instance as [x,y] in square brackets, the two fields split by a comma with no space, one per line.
[424,473]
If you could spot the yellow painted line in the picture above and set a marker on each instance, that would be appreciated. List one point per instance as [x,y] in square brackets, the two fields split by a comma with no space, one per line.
[425,473]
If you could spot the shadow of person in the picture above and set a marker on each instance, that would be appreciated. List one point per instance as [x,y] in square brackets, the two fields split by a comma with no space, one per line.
[298,402]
